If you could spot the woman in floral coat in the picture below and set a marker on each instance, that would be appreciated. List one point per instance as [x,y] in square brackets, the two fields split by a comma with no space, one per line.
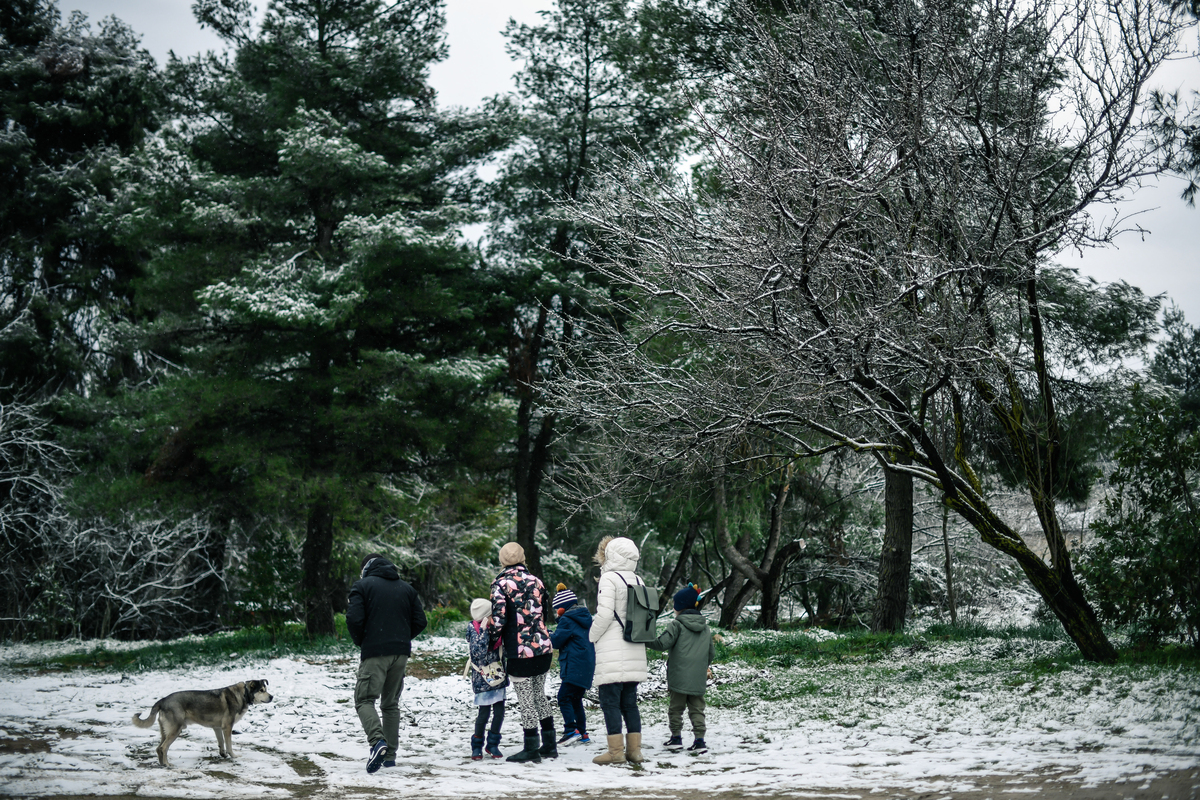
[518,605]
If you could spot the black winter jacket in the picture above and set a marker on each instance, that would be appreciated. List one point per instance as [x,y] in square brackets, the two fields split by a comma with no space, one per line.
[384,612]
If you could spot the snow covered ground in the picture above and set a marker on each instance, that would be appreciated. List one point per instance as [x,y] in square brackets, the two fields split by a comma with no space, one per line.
[938,718]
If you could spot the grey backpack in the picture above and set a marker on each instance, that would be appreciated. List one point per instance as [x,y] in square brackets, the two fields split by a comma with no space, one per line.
[641,611]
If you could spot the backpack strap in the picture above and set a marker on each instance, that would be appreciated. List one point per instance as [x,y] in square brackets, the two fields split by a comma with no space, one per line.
[640,582]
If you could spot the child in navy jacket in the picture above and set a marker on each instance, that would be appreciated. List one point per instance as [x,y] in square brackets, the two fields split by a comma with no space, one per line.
[576,663]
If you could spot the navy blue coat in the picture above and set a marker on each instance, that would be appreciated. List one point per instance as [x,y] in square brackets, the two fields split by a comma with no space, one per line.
[576,654]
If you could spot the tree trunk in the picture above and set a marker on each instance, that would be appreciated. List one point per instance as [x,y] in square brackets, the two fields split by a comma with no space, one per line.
[533,450]
[807,602]
[529,469]
[769,616]
[737,591]
[949,566]
[732,609]
[1065,598]
[685,552]
[1056,585]
[317,557]
[210,592]
[748,577]
[895,562]
[734,555]
[1036,448]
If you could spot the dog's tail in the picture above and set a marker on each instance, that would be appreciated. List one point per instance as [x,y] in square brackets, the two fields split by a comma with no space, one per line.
[146,723]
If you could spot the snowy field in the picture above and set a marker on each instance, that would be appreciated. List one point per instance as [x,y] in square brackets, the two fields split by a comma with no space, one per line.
[935,719]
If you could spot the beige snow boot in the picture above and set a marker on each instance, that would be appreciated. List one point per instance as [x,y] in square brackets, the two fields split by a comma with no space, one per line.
[615,753]
[633,747]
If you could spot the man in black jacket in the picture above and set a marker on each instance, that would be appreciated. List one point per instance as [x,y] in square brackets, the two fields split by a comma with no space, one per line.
[383,615]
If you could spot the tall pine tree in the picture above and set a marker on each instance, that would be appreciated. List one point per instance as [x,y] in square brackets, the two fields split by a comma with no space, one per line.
[324,324]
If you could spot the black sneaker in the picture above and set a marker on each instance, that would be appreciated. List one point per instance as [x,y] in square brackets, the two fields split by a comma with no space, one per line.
[387,764]
[375,758]
[698,746]
[569,737]
[675,743]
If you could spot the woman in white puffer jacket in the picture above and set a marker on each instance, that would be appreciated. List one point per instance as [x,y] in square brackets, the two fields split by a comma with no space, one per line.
[620,665]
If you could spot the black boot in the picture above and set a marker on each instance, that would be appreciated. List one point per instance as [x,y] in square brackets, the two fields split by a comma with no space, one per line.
[530,753]
[549,748]
[476,747]
[493,745]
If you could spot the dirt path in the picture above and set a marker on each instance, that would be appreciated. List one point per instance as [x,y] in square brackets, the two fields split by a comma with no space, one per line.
[1177,785]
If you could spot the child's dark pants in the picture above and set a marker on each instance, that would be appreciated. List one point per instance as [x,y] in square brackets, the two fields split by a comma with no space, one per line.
[497,712]
[570,702]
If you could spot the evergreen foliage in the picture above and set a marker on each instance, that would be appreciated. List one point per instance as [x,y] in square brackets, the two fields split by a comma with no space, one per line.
[1143,564]
[242,337]
[326,330]
[74,102]
[583,96]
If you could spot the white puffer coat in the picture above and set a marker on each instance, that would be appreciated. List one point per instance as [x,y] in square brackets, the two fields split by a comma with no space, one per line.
[617,660]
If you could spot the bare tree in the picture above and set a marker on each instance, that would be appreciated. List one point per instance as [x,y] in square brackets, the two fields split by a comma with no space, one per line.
[135,576]
[885,196]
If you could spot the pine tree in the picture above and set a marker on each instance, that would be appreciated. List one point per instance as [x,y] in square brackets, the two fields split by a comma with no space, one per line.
[305,275]
[73,101]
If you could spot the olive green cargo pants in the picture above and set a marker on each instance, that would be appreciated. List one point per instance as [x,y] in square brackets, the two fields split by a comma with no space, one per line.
[380,678]
[694,703]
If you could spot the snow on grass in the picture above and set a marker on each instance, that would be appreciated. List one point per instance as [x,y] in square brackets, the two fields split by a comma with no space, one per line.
[931,717]
[24,652]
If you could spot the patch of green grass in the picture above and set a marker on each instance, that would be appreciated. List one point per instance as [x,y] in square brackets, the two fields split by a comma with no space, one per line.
[788,648]
[968,631]
[217,648]
[445,621]
[1170,655]
[785,649]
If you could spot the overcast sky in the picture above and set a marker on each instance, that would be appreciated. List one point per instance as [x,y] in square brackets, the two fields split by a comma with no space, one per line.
[1166,260]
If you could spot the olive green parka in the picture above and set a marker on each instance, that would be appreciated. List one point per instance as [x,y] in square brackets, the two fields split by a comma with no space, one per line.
[689,646]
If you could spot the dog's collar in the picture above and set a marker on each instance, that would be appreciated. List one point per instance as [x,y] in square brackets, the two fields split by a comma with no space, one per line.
[249,695]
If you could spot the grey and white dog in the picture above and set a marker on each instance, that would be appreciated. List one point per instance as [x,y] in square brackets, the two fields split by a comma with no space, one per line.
[213,708]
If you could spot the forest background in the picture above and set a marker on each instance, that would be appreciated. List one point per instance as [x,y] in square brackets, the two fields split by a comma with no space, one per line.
[243,339]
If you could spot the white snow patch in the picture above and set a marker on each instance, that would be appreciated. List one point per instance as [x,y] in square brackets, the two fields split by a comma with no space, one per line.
[926,719]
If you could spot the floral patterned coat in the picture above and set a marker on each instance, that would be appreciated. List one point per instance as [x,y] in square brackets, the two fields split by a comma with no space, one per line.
[518,606]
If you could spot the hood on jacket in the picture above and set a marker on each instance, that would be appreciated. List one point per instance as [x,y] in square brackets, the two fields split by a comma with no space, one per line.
[694,621]
[380,567]
[580,616]
[617,553]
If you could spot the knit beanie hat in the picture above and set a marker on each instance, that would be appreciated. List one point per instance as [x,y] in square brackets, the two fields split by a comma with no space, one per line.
[512,553]
[687,597]
[564,598]
[480,608]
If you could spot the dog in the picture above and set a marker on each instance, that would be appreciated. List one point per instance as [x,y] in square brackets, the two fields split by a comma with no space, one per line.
[214,708]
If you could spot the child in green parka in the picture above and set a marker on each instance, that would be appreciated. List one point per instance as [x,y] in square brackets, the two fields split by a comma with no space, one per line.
[689,646]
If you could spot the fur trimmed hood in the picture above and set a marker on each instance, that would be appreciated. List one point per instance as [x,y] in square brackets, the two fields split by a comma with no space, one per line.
[617,553]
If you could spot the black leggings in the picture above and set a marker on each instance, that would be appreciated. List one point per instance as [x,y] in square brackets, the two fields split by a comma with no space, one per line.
[497,711]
